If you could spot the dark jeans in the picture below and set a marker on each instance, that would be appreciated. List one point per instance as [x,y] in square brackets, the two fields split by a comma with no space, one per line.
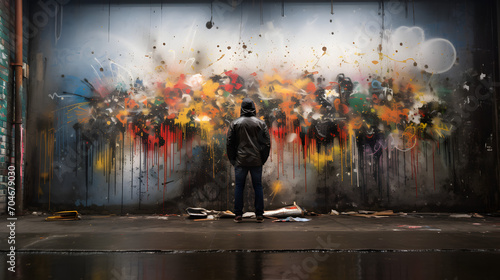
[240,176]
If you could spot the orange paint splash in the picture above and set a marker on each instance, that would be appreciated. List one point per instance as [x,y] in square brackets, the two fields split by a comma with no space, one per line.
[391,115]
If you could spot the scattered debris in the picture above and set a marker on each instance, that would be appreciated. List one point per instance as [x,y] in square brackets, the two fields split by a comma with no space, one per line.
[471,215]
[208,218]
[292,219]
[248,215]
[202,213]
[460,215]
[157,217]
[227,213]
[287,211]
[373,214]
[64,216]
[416,228]
[422,215]
[476,215]
[334,213]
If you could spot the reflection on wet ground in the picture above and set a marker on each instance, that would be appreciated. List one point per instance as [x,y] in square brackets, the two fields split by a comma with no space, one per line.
[256,265]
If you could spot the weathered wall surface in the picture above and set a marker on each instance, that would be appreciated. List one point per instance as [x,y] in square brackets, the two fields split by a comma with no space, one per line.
[6,49]
[378,105]
[7,81]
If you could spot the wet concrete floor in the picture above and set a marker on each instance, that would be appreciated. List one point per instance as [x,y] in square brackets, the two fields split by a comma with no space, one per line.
[257,265]
[434,246]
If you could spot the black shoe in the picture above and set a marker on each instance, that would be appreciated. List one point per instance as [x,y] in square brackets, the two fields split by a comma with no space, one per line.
[238,219]
[260,219]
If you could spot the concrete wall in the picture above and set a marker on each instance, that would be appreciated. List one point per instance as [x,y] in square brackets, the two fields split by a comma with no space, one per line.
[376,105]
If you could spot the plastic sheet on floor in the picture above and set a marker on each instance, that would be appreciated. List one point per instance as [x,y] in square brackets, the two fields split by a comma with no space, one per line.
[292,219]
[287,211]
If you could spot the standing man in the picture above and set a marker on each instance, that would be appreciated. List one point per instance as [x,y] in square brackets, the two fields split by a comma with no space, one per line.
[248,146]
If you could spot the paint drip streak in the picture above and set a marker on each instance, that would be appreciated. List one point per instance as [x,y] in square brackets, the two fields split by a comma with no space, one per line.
[433,166]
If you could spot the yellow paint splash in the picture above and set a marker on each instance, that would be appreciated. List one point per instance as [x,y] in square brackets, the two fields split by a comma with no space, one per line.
[277,188]
[439,128]
[184,116]
[209,88]
[320,160]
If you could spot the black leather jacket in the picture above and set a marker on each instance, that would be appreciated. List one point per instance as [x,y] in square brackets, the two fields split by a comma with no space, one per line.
[248,142]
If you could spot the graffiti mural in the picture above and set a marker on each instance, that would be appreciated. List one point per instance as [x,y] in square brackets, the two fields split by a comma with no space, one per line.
[366,119]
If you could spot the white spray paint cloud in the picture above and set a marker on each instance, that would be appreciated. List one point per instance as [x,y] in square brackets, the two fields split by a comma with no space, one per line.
[408,45]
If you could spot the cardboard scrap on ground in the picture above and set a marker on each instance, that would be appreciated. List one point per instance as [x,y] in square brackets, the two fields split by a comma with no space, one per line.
[64,216]
[373,214]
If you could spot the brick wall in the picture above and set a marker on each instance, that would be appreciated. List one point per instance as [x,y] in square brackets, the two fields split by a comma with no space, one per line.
[6,88]
[7,56]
